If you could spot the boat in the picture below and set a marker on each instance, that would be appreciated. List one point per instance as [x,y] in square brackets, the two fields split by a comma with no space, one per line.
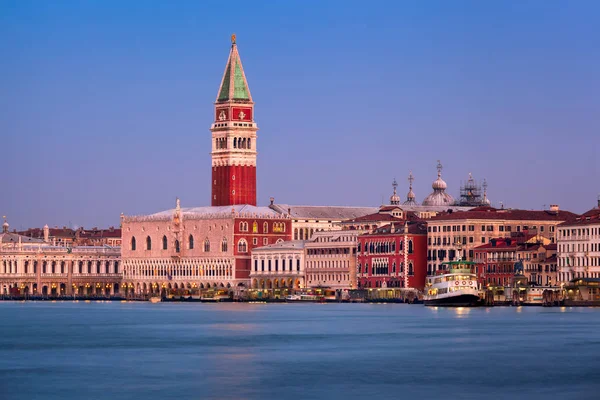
[454,286]
[154,299]
[293,297]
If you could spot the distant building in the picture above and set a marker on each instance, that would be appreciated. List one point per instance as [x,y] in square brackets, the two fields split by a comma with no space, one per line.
[393,255]
[579,247]
[197,248]
[331,260]
[457,234]
[75,237]
[34,267]
[279,267]
[497,260]
[307,220]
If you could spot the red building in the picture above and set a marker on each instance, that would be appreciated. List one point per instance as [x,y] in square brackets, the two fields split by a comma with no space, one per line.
[384,254]
[496,261]
[234,138]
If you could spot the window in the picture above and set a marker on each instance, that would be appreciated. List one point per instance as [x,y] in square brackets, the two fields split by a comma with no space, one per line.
[116,267]
[224,245]
[206,245]
[298,265]
[177,248]
[255,265]
[133,243]
[243,226]
[410,247]
[254,241]
[148,243]
[254,227]
[164,242]
[242,246]
[191,242]
[265,241]
[265,228]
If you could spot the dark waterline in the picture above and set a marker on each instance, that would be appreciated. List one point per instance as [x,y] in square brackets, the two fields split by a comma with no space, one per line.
[111,350]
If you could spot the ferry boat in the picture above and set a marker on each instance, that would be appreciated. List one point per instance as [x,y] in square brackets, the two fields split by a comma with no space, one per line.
[456,286]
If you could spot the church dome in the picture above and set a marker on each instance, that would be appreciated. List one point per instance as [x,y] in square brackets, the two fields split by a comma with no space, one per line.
[439,197]
[394,198]
[410,197]
[439,183]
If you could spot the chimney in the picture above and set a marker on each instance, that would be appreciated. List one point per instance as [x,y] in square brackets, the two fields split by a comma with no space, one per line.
[554,208]
[272,199]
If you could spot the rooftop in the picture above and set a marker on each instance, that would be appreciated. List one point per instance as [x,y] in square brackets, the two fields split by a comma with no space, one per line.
[490,213]
[326,213]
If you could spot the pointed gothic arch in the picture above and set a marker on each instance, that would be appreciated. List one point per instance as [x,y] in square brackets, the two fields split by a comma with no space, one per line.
[206,245]
[164,242]
[191,242]
[224,245]
[148,243]
[133,246]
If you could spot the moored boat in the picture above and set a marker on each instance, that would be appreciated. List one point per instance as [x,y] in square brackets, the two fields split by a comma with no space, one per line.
[154,299]
[455,286]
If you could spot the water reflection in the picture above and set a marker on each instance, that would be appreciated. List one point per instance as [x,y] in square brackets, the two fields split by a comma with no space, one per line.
[334,351]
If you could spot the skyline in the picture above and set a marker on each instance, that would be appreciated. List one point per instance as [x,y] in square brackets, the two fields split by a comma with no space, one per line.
[109,108]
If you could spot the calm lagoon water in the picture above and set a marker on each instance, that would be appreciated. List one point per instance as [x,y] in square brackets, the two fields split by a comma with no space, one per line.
[112,350]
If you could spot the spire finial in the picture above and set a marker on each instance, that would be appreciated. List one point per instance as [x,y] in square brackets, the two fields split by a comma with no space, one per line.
[439,168]
[411,179]
[233,39]
[395,185]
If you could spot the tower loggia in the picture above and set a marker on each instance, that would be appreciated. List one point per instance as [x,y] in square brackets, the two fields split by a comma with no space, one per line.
[234,138]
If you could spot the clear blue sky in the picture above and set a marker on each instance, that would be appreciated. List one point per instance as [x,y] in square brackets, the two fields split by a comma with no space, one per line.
[105,106]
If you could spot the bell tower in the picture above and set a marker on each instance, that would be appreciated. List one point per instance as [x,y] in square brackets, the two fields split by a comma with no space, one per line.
[233,138]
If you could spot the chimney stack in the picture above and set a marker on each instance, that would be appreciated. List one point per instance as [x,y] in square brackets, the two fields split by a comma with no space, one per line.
[554,208]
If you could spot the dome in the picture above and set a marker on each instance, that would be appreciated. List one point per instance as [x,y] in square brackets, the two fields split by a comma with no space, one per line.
[439,184]
[410,199]
[394,198]
[439,197]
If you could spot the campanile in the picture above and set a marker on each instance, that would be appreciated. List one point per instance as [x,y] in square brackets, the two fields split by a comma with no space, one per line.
[234,138]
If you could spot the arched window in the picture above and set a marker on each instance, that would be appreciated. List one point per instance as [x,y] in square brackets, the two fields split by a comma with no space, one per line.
[254,227]
[116,267]
[191,242]
[235,143]
[295,233]
[164,242]
[410,247]
[133,243]
[265,228]
[224,245]
[249,143]
[148,243]
[177,246]
[206,245]
[242,246]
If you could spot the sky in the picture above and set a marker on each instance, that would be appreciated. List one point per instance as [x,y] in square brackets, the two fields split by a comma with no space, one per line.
[105,106]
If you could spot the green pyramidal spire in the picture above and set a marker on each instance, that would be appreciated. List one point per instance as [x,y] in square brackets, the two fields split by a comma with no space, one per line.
[234,86]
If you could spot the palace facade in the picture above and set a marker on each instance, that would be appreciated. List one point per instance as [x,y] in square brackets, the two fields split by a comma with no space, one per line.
[197,248]
[579,247]
[33,267]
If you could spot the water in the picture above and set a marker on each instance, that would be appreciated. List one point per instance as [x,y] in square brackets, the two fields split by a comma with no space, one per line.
[66,350]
